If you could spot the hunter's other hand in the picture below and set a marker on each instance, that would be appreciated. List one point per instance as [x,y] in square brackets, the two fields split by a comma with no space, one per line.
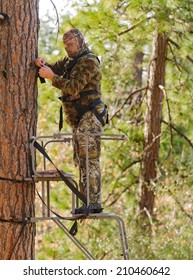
[40,61]
[46,72]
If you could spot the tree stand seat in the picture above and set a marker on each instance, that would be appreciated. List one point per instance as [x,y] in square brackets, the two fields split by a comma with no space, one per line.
[51,175]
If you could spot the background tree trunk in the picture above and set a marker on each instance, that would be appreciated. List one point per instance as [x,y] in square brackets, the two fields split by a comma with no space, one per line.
[156,77]
[18,120]
[138,69]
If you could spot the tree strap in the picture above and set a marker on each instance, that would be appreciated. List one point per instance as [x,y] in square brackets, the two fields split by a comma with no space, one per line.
[12,180]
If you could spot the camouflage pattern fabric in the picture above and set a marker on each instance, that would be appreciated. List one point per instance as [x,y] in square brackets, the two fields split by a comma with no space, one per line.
[71,38]
[88,124]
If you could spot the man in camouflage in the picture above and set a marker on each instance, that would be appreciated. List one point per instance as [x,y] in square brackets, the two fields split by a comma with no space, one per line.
[78,77]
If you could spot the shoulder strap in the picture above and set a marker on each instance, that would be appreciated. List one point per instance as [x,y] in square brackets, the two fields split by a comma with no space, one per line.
[76,59]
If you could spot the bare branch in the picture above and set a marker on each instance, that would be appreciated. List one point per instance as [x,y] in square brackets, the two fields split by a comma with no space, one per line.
[126,100]
[150,221]
[181,206]
[57,21]
[180,133]
[129,29]
[178,47]
[173,43]
[133,27]
[148,147]
[131,164]
[176,63]
[169,112]
[119,195]
[189,58]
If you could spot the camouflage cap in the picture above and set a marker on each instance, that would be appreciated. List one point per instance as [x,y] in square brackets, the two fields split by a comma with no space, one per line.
[71,34]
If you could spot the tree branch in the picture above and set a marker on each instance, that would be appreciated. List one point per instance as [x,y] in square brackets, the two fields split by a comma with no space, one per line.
[189,58]
[133,27]
[126,100]
[173,43]
[178,47]
[169,113]
[178,132]
[118,196]
[131,164]
[176,63]
[57,21]
[124,190]
[181,207]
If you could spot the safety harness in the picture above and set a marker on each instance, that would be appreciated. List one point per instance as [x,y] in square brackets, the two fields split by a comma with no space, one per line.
[80,108]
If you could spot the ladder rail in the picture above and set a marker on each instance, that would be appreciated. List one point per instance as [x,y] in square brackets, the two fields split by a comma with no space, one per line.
[73,239]
[121,226]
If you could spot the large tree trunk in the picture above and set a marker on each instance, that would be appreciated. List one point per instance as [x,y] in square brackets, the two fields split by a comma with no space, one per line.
[156,78]
[18,120]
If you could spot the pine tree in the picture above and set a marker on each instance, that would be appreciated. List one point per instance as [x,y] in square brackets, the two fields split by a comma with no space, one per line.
[18,119]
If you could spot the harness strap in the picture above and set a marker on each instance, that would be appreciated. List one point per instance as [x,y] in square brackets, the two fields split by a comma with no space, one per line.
[82,109]
[61,120]
[88,92]
[75,60]
[101,115]
[67,99]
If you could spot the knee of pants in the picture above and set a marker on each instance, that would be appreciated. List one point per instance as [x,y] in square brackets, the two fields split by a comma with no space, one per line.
[93,153]
[94,147]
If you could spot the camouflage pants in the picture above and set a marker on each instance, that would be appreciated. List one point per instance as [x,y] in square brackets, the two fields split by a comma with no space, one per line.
[88,124]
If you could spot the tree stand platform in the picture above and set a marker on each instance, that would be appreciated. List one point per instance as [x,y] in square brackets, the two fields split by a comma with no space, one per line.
[47,176]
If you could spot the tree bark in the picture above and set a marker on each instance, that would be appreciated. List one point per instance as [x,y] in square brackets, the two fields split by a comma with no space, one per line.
[156,77]
[18,121]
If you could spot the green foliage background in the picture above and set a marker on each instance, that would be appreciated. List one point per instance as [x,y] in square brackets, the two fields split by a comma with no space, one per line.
[116,31]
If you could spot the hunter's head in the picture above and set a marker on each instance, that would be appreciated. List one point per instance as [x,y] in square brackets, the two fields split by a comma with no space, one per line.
[74,42]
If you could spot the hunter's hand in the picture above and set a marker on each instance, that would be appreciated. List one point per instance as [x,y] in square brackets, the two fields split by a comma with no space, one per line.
[46,72]
[40,61]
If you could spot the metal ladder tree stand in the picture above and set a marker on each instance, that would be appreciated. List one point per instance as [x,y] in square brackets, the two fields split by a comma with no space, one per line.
[39,144]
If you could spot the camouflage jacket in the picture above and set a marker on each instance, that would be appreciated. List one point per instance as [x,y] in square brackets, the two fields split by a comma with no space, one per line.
[85,75]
